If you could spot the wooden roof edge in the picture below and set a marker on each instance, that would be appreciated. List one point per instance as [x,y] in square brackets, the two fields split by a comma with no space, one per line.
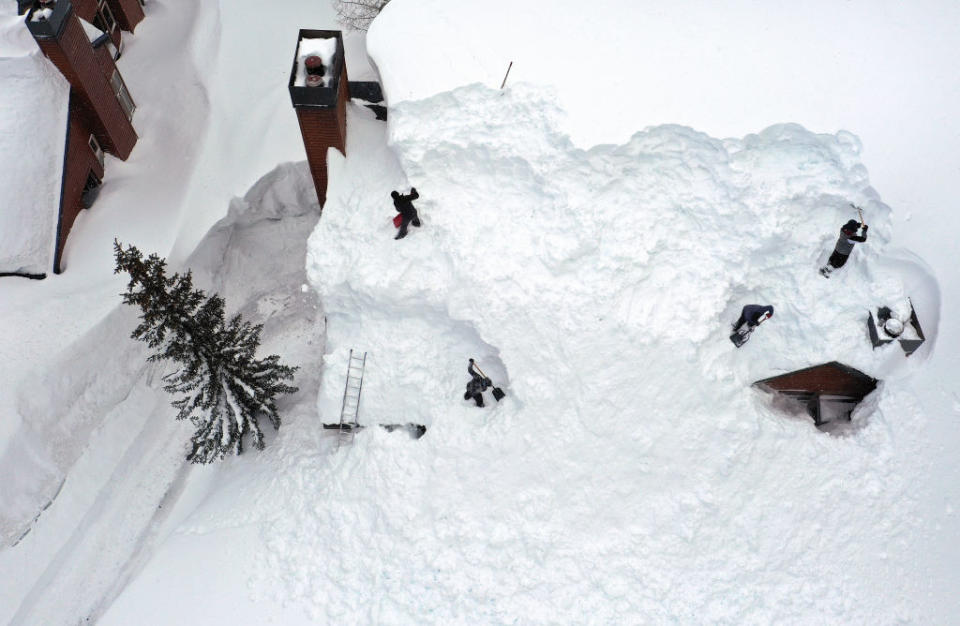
[846,368]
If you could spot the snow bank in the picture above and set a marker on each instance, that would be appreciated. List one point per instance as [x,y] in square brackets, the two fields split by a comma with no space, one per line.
[33,135]
[724,68]
[110,432]
[630,470]
[630,474]
[253,258]
[323,47]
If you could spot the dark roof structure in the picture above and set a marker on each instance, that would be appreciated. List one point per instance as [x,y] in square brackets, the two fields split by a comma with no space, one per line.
[814,387]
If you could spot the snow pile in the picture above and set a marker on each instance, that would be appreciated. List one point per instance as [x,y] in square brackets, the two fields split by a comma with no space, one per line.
[323,47]
[34,100]
[630,470]
[41,15]
[111,431]
[630,474]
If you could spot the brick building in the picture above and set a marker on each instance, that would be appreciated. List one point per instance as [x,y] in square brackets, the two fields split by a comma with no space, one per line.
[66,127]
[110,17]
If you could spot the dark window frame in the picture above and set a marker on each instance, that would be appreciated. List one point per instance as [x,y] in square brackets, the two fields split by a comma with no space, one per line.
[96,149]
[107,22]
[122,94]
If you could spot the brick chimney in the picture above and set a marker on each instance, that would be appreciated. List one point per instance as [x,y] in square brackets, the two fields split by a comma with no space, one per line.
[95,82]
[320,97]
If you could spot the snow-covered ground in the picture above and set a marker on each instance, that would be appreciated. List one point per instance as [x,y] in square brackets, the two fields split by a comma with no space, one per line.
[630,474]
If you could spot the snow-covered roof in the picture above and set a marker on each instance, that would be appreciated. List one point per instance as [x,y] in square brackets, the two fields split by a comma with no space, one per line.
[34,105]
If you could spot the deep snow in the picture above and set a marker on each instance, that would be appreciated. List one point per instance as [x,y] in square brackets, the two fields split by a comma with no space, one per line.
[630,474]
[34,101]
[630,439]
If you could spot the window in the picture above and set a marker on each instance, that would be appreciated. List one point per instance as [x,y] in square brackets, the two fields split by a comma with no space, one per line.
[104,17]
[96,149]
[123,96]
[90,191]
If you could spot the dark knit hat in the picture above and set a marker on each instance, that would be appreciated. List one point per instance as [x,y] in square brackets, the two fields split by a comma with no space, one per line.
[851,226]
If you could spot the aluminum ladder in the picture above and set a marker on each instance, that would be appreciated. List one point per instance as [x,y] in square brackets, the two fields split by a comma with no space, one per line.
[351,398]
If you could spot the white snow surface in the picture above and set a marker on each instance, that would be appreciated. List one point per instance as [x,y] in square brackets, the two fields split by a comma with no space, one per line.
[631,471]
[631,474]
[34,99]
[323,47]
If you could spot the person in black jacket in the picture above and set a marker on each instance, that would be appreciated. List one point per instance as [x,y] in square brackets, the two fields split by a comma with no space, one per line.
[752,315]
[477,385]
[841,252]
[404,206]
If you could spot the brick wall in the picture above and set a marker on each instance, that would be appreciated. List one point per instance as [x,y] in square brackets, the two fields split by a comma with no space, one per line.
[324,128]
[87,10]
[75,58]
[129,13]
[104,60]
[80,161]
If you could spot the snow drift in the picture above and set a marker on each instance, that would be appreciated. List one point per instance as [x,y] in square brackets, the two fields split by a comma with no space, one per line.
[630,470]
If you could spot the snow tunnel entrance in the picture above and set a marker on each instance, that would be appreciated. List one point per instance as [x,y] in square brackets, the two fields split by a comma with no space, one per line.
[415,371]
[828,392]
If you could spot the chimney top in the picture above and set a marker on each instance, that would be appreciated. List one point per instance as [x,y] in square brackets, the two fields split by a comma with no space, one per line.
[314,93]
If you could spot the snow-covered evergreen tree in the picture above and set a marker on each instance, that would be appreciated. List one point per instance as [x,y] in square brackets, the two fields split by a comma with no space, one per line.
[224,388]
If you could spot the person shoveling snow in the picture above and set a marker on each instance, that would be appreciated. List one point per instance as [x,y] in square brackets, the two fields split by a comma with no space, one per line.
[750,317]
[479,382]
[841,252]
[407,212]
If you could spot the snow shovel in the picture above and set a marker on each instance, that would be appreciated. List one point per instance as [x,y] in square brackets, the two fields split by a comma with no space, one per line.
[397,220]
[497,391]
